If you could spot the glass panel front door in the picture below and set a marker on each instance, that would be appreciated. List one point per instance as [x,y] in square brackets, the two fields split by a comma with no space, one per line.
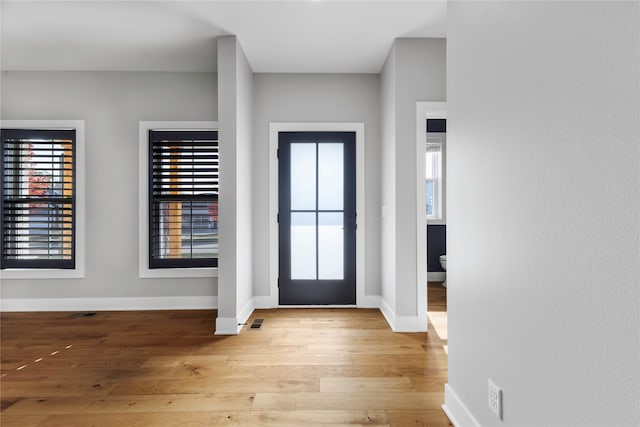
[317,217]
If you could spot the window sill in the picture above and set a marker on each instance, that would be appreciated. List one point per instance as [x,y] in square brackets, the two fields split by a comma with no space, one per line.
[440,221]
[177,273]
[28,273]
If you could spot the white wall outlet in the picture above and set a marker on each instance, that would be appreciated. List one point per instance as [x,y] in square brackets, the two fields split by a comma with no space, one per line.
[495,399]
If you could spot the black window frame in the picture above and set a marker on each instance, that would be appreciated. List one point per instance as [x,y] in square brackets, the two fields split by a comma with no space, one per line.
[157,137]
[8,201]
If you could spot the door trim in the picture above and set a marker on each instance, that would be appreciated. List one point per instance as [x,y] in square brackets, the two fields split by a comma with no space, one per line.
[274,128]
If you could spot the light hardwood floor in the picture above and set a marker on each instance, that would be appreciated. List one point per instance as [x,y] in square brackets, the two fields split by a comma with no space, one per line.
[304,367]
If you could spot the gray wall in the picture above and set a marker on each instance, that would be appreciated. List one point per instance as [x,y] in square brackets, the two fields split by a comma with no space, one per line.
[315,98]
[111,103]
[415,70]
[420,76]
[543,211]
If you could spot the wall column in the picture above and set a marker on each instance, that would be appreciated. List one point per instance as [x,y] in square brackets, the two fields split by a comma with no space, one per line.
[235,104]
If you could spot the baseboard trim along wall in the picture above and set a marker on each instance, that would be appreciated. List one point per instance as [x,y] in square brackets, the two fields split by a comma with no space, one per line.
[234,325]
[246,312]
[400,323]
[436,276]
[388,314]
[109,304]
[457,412]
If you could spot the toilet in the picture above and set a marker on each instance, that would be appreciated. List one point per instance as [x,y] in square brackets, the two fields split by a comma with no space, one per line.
[443,264]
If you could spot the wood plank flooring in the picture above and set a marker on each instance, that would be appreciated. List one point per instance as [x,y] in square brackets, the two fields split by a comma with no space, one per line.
[303,367]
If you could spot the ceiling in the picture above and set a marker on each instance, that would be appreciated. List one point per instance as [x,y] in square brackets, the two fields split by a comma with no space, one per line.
[320,36]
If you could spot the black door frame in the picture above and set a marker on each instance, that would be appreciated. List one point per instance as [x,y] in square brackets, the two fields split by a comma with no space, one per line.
[304,292]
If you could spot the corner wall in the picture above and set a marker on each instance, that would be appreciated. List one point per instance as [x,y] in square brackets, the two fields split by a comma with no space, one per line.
[235,105]
[388,185]
[543,212]
[415,70]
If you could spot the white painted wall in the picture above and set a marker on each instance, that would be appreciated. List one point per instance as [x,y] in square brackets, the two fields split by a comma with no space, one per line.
[415,71]
[112,104]
[315,98]
[543,219]
[245,211]
[388,184]
[235,273]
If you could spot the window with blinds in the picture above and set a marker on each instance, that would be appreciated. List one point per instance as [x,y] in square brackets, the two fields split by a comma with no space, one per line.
[38,198]
[434,171]
[183,199]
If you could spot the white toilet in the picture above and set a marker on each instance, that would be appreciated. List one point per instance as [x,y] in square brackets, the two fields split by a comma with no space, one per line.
[443,263]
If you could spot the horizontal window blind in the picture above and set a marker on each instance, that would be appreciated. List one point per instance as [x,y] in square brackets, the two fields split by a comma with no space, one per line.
[183,199]
[38,198]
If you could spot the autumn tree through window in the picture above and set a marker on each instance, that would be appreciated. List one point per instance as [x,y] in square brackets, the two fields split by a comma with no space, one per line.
[38,198]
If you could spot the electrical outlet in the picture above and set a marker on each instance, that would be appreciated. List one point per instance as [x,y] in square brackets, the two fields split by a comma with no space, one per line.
[495,399]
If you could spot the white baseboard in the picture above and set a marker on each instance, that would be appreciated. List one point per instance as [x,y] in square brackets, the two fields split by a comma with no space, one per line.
[109,304]
[234,325]
[436,276]
[399,323]
[245,313]
[267,302]
[264,302]
[227,326]
[457,412]
[388,313]
[316,306]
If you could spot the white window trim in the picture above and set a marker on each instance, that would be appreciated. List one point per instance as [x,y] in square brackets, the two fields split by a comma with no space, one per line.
[442,220]
[438,216]
[79,271]
[143,200]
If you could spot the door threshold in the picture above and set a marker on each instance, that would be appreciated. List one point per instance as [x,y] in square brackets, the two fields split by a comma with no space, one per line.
[319,306]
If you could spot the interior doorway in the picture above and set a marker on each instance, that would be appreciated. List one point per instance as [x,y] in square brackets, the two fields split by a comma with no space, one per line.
[424,111]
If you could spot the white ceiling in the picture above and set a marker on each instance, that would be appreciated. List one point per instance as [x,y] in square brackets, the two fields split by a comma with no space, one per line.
[277,36]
